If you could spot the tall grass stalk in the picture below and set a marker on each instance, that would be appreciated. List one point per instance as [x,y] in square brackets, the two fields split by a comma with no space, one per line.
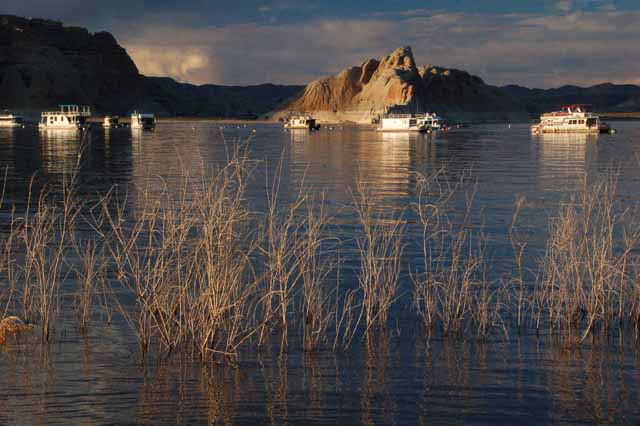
[380,250]
[586,277]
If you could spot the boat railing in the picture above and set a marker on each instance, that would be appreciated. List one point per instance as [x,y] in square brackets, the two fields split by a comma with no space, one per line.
[74,110]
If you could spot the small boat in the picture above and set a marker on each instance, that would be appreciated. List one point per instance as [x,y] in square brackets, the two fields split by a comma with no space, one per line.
[402,123]
[140,121]
[571,119]
[8,119]
[68,117]
[111,122]
[302,121]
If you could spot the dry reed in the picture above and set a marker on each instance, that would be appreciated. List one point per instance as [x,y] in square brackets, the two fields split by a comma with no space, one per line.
[587,279]
[380,250]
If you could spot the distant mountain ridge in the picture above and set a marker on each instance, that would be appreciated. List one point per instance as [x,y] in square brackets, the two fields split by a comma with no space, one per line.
[606,97]
[44,63]
[169,97]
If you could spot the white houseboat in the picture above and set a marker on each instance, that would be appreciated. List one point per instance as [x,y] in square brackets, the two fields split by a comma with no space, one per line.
[571,119]
[301,121]
[141,121]
[111,122]
[8,119]
[68,117]
[433,121]
[402,123]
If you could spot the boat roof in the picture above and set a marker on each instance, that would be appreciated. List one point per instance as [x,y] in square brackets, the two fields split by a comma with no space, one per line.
[144,115]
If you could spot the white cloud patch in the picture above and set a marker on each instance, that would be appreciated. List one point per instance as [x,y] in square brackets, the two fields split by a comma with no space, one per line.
[185,65]
[578,47]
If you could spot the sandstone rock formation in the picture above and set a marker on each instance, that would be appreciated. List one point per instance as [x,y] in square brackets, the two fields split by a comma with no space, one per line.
[43,63]
[396,84]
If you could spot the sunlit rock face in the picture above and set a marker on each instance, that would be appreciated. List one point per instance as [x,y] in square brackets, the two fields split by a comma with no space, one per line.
[43,63]
[396,83]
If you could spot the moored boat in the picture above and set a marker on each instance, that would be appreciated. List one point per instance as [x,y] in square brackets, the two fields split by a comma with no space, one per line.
[402,123]
[111,122]
[432,121]
[8,119]
[571,119]
[140,121]
[68,117]
[301,122]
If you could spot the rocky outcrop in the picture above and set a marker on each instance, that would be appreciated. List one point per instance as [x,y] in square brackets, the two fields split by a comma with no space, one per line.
[395,83]
[43,63]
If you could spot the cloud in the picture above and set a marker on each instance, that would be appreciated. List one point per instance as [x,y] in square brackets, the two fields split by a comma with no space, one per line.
[185,65]
[579,47]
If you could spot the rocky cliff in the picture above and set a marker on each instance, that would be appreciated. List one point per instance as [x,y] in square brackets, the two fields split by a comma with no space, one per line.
[395,83]
[43,63]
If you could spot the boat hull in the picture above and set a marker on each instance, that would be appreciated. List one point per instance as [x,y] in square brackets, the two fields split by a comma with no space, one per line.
[47,127]
[590,131]
[400,130]
[301,127]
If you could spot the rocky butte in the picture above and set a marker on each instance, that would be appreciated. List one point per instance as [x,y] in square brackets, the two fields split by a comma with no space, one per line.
[395,83]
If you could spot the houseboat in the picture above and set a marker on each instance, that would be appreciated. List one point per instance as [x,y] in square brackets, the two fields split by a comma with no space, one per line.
[68,117]
[433,121]
[402,123]
[305,122]
[141,121]
[111,122]
[8,119]
[571,119]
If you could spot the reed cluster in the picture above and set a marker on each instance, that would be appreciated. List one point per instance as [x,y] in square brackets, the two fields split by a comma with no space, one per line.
[452,293]
[380,251]
[588,278]
[196,269]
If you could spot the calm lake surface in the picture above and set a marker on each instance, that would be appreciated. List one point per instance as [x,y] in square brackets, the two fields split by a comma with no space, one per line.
[525,379]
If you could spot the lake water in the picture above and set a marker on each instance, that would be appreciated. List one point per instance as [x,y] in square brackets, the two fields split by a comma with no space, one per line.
[100,379]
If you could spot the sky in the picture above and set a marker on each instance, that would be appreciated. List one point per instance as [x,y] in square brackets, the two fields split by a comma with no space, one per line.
[543,43]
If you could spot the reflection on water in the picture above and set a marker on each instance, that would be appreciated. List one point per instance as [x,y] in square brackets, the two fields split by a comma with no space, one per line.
[392,378]
[564,160]
[60,149]
[299,135]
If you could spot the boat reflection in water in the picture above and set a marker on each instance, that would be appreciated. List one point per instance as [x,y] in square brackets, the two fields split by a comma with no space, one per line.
[60,149]
[299,135]
[564,159]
